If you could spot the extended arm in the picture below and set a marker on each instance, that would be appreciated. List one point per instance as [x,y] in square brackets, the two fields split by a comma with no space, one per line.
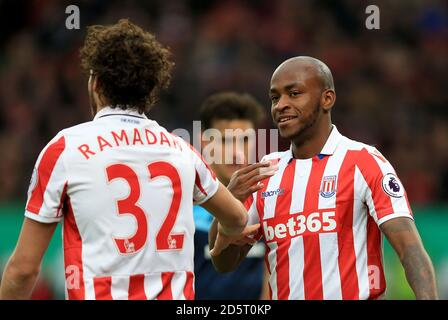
[230,257]
[23,267]
[230,212]
[228,252]
[404,238]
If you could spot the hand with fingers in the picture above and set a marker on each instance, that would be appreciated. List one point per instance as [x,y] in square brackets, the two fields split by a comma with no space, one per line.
[246,181]
[223,240]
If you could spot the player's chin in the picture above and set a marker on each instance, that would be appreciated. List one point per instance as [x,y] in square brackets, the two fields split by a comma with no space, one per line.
[289,132]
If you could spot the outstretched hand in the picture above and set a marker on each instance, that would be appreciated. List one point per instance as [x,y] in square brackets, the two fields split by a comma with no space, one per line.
[223,240]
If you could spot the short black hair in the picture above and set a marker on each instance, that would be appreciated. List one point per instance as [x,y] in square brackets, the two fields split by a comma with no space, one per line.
[130,64]
[230,106]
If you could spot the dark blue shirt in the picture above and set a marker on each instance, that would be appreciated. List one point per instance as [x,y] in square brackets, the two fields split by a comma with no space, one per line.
[243,283]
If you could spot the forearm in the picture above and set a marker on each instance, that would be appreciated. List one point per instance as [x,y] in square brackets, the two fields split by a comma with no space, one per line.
[419,272]
[17,284]
[265,286]
[229,258]
[404,238]
[230,212]
[23,267]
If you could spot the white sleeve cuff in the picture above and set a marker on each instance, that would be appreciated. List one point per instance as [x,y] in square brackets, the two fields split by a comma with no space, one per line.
[42,219]
[209,194]
[393,216]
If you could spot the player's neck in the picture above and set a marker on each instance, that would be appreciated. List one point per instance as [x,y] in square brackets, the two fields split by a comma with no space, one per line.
[98,103]
[100,107]
[308,147]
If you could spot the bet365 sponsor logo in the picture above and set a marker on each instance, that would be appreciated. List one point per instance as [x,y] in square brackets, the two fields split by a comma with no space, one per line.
[294,225]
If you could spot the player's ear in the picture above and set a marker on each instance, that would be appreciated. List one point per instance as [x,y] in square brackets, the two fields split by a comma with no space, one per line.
[95,83]
[328,99]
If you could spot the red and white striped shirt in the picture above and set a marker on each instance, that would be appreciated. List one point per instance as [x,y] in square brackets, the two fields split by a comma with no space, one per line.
[320,217]
[124,188]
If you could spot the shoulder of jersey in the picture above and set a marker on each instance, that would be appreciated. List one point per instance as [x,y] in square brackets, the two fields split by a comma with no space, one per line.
[274,155]
[353,145]
[81,127]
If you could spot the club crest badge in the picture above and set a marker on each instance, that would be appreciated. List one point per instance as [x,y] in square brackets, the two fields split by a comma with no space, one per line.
[328,188]
[392,185]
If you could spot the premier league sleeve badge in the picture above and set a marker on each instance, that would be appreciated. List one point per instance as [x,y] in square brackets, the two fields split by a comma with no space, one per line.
[392,185]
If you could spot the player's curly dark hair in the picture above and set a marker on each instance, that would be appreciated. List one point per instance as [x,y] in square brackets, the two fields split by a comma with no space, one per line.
[131,66]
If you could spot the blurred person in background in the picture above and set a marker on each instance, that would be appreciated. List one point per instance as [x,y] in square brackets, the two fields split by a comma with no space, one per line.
[123,186]
[324,211]
[237,113]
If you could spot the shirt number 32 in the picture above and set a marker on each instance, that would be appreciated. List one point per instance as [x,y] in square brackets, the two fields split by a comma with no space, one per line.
[165,240]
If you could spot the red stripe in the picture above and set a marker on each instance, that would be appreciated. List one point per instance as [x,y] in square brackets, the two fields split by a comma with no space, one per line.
[283,208]
[44,171]
[266,261]
[62,200]
[137,287]
[383,206]
[248,202]
[73,255]
[260,207]
[372,173]
[346,244]
[312,271]
[203,161]
[260,199]
[198,184]
[377,281]
[188,289]
[103,288]
[166,293]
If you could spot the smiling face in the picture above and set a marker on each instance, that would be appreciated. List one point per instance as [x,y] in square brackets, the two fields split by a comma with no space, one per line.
[299,97]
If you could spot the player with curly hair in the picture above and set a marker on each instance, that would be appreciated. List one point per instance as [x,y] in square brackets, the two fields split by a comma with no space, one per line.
[122,185]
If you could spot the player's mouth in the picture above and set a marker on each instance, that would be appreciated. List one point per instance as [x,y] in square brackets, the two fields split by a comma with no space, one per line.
[283,121]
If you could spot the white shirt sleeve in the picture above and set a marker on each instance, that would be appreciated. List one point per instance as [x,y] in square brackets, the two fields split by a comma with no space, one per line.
[205,184]
[383,191]
[48,184]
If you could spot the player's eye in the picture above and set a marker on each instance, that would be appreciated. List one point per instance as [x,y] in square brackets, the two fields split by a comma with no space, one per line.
[274,98]
[294,93]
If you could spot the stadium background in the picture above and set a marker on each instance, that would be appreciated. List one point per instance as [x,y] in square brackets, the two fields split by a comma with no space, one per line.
[391,89]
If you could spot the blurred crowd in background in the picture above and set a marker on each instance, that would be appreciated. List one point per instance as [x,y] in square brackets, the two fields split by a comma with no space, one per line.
[390,83]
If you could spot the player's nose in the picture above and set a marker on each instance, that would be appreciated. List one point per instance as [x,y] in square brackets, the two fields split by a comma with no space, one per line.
[282,104]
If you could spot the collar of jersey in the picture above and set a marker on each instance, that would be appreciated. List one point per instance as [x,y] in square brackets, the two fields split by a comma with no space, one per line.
[329,147]
[109,111]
